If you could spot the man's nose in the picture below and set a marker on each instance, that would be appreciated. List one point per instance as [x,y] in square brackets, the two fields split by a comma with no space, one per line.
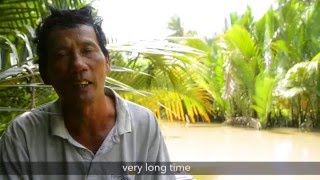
[79,64]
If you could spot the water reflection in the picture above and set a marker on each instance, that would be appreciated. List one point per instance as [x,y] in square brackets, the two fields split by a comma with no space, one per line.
[220,143]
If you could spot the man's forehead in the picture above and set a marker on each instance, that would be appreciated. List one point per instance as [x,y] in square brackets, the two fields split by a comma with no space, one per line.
[81,28]
[82,32]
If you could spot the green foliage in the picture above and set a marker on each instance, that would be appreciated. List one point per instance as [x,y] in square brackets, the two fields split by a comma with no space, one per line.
[176,26]
[257,53]
[238,40]
[263,96]
[167,75]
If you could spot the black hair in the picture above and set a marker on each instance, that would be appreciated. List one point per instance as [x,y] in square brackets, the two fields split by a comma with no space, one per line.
[61,19]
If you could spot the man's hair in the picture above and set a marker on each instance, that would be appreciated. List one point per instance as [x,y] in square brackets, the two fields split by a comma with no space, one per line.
[64,19]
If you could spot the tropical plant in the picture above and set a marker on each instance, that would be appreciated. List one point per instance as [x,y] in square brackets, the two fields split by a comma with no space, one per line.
[167,73]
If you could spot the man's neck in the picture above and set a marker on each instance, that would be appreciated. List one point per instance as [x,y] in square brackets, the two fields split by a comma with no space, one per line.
[89,124]
[93,118]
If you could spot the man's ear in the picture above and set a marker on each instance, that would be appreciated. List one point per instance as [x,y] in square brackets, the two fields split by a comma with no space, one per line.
[108,65]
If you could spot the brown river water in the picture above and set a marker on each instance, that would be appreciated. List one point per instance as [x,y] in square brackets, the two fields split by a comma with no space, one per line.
[203,142]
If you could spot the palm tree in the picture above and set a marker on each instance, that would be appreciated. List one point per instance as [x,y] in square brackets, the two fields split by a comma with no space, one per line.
[165,74]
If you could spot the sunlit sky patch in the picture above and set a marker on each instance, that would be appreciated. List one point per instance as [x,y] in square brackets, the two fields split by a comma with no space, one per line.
[148,19]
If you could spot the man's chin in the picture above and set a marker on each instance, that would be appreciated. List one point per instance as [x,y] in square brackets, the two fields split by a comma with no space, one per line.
[85,98]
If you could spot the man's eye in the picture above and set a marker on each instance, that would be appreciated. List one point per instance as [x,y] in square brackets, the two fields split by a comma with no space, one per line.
[87,50]
[61,54]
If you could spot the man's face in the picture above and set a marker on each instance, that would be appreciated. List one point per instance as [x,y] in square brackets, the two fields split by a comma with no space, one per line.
[76,65]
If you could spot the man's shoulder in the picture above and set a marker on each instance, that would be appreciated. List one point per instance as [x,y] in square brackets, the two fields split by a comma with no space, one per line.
[142,117]
[140,113]
[136,108]
[132,108]
[33,119]
[38,113]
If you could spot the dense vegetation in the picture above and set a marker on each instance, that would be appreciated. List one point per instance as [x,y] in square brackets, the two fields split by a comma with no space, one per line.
[266,69]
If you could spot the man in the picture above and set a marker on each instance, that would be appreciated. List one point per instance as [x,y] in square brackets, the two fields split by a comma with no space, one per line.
[88,123]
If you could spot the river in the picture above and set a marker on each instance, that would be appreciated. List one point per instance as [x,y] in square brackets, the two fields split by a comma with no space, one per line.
[203,142]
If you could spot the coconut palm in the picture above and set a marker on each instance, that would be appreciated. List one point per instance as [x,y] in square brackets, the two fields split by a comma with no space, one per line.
[166,75]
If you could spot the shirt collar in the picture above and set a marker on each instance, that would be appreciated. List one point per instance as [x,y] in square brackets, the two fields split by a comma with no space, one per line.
[123,119]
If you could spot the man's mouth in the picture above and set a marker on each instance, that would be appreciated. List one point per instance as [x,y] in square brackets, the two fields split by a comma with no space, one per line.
[82,84]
